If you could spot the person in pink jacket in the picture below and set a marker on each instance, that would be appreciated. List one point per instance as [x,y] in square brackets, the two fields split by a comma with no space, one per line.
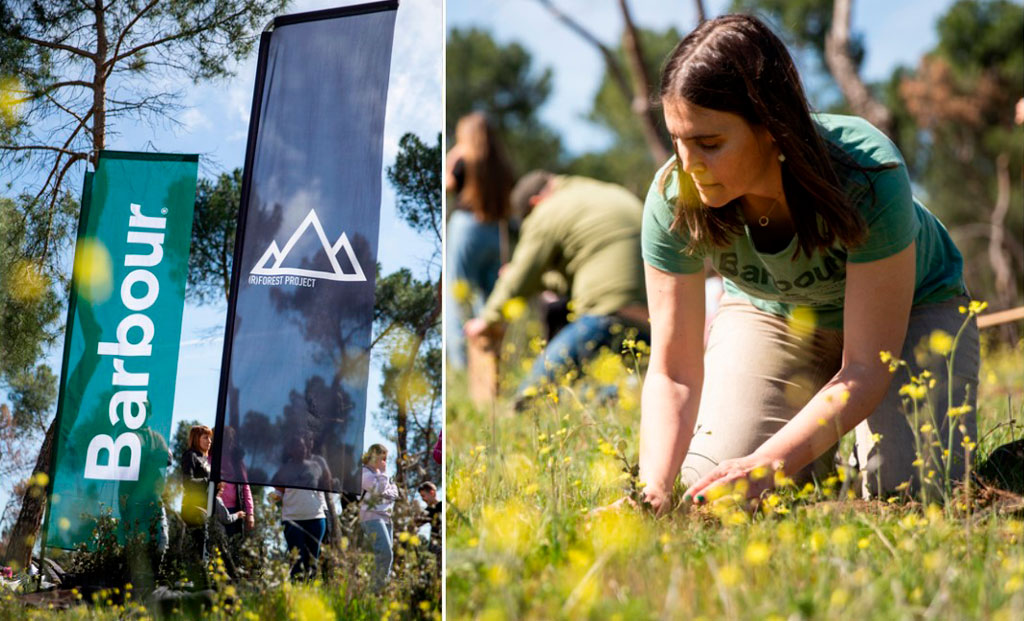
[237,497]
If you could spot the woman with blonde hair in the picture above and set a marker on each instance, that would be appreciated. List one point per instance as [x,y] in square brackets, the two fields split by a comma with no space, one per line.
[376,503]
[479,175]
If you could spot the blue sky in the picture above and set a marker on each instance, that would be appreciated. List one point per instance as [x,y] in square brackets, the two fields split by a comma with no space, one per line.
[896,33]
[214,123]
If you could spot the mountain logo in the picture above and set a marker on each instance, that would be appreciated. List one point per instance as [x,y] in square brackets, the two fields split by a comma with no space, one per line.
[275,257]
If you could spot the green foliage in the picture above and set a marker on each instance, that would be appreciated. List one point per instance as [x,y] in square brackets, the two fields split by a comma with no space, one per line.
[196,37]
[213,237]
[31,290]
[416,177]
[403,300]
[130,52]
[33,393]
[805,23]
[959,104]
[500,80]
[979,35]
[407,315]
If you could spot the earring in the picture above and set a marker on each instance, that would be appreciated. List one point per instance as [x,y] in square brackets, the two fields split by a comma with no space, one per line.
[782,158]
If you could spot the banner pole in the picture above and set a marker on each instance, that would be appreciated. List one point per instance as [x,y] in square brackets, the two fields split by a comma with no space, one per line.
[72,304]
[209,499]
[236,260]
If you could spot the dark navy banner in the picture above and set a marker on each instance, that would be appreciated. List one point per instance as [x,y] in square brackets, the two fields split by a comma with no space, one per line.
[292,404]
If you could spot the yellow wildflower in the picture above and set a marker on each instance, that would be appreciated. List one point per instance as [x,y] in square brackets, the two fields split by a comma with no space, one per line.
[839,598]
[513,309]
[757,553]
[916,392]
[461,291]
[940,342]
[729,575]
[959,411]
[842,536]
[802,321]
[817,540]
[307,606]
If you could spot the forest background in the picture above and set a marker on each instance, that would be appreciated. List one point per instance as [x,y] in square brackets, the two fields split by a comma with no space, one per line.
[572,88]
[177,76]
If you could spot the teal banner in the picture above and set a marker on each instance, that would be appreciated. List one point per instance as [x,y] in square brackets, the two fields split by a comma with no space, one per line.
[121,344]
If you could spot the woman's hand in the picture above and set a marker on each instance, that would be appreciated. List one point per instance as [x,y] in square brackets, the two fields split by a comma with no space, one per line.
[659,503]
[757,470]
[660,500]
[250,521]
[475,327]
[449,174]
[618,505]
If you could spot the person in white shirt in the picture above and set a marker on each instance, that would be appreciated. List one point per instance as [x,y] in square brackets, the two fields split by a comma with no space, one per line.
[303,511]
[378,499]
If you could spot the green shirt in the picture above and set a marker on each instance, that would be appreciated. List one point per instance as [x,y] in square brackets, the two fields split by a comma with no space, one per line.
[778,282]
[588,232]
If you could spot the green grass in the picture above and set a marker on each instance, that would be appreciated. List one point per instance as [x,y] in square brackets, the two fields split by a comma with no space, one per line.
[262,592]
[522,543]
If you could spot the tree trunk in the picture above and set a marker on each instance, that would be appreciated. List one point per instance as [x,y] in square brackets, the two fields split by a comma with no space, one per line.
[701,14]
[1006,286]
[26,528]
[402,415]
[99,91]
[840,64]
[639,101]
[641,104]
[401,425]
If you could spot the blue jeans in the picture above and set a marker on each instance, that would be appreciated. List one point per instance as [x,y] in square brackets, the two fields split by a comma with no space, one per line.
[305,536]
[473,256]
[380,535]
[573,345]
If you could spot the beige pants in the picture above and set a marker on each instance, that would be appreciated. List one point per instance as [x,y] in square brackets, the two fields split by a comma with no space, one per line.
[758,373]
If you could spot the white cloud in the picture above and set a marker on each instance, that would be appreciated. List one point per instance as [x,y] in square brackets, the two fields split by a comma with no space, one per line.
[194,120]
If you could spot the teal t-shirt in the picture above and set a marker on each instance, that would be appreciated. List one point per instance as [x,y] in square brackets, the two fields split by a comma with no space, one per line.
[777,282]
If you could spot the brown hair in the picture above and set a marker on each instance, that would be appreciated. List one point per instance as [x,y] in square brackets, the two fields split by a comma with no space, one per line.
[488,180]
[735,64]
[196,432]
[424,486]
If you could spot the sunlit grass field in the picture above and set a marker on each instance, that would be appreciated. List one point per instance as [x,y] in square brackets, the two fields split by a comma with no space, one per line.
[341,590]
[343,597]
[522,541]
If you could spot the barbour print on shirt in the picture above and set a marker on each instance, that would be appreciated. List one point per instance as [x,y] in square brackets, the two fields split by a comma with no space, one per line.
[781,281]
